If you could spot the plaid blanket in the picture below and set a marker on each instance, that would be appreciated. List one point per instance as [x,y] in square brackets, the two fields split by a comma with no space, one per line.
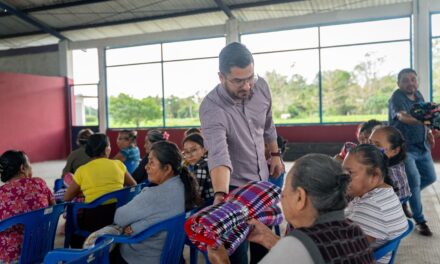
[226,223]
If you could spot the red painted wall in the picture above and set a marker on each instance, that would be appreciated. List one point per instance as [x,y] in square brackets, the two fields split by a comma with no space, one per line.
[34,116]
[306,133]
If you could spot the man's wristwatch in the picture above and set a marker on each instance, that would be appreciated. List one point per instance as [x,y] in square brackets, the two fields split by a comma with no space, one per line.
[276,154]
[223,194]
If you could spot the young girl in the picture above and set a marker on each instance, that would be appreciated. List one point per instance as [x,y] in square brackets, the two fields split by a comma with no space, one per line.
[362,135]
[391,141]
[194,153]
[375,207]
[128,150]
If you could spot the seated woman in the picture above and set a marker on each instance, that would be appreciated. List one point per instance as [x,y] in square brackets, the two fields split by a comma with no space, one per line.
[76,158]
[375,206]
[99,176]
[313,201]
[128,149]
[194,153]
[153,136]
[21,193]
[392,142]
[175,192]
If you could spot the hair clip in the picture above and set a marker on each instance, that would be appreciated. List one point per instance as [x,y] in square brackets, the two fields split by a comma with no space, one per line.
[165,135]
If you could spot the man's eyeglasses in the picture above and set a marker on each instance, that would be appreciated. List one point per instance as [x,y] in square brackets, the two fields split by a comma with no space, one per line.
[189,153]
[240,82]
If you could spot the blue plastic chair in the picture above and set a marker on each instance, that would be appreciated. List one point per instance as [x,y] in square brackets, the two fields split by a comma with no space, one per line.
[39,231]
[58,184]
[98,254]
[173,247]
[122,197]
[392,245]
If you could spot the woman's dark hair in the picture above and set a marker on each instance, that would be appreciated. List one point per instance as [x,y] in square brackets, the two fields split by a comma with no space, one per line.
[373,157]
[368,126]
[10,164]
[323,179]
[96,145]
[83,136]
[131,134]
[234,55]
[192,130]
[155,135]
[196,138]
[396,139]
[169,154]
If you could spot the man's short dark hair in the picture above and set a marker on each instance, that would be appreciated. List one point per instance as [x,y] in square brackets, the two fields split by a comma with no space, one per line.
[234,55]
[405,71]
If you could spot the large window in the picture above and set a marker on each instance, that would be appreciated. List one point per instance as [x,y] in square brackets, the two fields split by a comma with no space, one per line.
[352,66]
[435,64]
[290,68]
[160,84]
[85,88]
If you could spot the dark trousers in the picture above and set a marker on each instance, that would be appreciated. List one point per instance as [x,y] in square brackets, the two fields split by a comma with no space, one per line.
[93,219]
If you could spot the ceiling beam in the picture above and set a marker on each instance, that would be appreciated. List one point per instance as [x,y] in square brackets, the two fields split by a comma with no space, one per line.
[57,6]
[156,17]
[34,22]
[225,8]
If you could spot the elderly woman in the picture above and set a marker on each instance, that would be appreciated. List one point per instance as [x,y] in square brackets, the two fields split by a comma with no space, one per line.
[313,201]
[99,176]
[21,193]
[375,206]
[174,193]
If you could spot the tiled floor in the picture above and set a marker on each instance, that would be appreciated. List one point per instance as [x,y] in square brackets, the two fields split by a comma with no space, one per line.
[413,249]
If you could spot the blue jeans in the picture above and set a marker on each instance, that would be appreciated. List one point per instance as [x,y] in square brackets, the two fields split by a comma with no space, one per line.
[421,173]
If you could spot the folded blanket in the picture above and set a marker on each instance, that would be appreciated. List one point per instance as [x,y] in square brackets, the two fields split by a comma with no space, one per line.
[226,223]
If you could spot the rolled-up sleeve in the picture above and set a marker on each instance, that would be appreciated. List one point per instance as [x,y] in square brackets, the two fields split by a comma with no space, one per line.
[214,128]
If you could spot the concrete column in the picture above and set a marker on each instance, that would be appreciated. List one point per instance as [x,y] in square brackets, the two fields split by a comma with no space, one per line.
[232,31]
[102,93]
[65,59]
[421,46]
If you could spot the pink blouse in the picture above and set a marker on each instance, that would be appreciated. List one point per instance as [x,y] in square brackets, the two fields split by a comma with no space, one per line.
[16,197]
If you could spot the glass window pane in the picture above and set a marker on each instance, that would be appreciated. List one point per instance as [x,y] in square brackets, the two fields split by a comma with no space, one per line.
[85,66]
[193,49]
[357,81]
[85,105]
[281,40]
[292,79]
[436,69]
[135,95]
[132,55]
[186,84]
[435,25]
[383,30]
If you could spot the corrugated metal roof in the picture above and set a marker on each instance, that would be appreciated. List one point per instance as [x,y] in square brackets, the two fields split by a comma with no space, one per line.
[94,19]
